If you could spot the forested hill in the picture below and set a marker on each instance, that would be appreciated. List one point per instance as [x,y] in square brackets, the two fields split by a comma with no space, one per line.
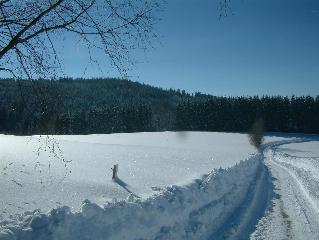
[91,93]
[85,106]
[82,106]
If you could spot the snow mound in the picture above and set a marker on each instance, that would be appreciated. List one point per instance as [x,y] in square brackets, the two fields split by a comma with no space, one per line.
[195,211]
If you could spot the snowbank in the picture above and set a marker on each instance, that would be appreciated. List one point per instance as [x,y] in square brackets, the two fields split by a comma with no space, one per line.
[196,211]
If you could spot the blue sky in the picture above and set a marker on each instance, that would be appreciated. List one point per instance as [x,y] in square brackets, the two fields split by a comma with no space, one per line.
[266,47]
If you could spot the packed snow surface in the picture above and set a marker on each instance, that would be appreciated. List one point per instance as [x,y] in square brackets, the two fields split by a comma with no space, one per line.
[170,186]
[294,209]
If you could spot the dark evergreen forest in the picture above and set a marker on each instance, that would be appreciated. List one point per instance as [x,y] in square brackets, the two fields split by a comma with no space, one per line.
[87,106]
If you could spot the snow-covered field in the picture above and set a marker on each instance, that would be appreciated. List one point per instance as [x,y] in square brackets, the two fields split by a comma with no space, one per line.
[190,185]
[147,162]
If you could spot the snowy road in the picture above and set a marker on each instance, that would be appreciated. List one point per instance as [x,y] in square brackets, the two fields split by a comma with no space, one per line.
[294,209]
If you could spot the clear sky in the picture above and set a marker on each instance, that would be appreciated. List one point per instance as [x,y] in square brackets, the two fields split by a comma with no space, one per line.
[266,47]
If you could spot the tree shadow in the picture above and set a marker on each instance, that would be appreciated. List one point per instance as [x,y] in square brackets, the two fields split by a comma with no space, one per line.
[125,186]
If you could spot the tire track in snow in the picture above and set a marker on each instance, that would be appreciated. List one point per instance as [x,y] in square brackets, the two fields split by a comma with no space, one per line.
[243,221]
[302,188]
[295,207]
[286,220]
[258,201]
[302,199]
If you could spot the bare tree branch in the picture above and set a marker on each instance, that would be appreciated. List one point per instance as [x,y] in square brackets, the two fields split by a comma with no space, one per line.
[17,38]
[225,8]
[114,26]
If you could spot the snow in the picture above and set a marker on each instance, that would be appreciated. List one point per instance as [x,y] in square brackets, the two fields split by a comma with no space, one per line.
[190,185]
[294,210]
[195,211]
[147,163]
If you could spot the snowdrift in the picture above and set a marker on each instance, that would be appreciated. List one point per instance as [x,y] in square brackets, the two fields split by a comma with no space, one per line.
[196,211]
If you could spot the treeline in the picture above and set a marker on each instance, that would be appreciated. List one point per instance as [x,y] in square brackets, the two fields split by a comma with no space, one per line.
[87,106]
[295,114]
[113,119]
[108,120]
